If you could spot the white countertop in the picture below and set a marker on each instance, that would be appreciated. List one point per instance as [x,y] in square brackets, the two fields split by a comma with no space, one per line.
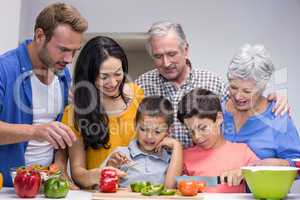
[9,193]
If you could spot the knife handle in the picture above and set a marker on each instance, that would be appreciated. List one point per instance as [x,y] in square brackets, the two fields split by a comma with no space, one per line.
[219,179]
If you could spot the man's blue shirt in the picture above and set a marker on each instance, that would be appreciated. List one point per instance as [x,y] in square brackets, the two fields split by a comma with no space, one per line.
[16,102]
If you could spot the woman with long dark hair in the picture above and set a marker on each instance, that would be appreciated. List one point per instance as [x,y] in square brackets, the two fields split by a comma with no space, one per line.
[103,110]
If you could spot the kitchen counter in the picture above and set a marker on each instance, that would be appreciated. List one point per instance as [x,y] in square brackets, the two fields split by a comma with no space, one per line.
[9,193]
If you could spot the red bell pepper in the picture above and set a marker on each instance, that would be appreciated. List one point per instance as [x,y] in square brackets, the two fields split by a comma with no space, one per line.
[108,181]
[27,183]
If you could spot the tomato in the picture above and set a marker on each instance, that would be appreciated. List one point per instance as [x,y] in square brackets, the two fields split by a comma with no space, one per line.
[188,188]
[201,185]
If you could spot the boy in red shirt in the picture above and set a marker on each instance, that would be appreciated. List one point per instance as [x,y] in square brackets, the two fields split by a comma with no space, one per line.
[200,111]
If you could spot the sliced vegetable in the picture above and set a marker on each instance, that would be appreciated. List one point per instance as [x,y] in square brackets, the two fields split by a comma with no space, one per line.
[201,185]
[188,188]
[108,181]
[148,189]
[157,188]
[168,192]
[138,186]
[152,190]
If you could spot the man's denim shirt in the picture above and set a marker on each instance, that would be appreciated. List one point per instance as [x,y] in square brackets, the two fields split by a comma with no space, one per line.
[16,102]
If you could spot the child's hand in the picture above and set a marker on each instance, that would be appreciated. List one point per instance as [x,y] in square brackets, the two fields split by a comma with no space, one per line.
[167,142]
[234,177]
[117,159]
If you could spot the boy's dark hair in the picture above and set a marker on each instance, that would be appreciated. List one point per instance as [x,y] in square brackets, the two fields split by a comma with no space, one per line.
[199,102]
[155,106]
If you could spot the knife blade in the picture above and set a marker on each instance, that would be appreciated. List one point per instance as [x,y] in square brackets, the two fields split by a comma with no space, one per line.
[211,180]
[129,165]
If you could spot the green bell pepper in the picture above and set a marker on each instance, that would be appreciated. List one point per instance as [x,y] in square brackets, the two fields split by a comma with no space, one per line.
[157,188]
[56,188]
[168,192]
[153,190]
[147,191]
[138,186]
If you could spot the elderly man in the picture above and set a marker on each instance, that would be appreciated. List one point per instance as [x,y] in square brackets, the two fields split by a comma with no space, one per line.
[34,85]
[174,76]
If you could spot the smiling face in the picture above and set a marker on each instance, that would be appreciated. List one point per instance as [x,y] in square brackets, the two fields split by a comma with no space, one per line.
[244,94]
[110,77]
[151,131]
[169,58]
[205,132]
[59,51]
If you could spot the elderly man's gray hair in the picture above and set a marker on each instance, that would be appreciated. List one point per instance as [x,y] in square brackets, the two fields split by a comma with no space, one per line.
[251,62]
[160,29]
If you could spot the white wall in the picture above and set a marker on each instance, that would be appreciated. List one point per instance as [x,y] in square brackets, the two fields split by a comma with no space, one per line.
[10,21]
[215,29]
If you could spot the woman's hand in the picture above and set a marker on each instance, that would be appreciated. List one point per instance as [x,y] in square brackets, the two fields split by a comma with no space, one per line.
[281,106]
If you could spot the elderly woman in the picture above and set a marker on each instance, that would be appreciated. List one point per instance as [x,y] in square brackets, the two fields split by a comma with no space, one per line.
[248,116]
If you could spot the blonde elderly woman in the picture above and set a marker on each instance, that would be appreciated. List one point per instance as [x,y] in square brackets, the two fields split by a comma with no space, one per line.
[248,116]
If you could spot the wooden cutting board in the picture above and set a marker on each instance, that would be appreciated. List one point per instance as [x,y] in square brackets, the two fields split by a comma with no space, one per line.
[127,195]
